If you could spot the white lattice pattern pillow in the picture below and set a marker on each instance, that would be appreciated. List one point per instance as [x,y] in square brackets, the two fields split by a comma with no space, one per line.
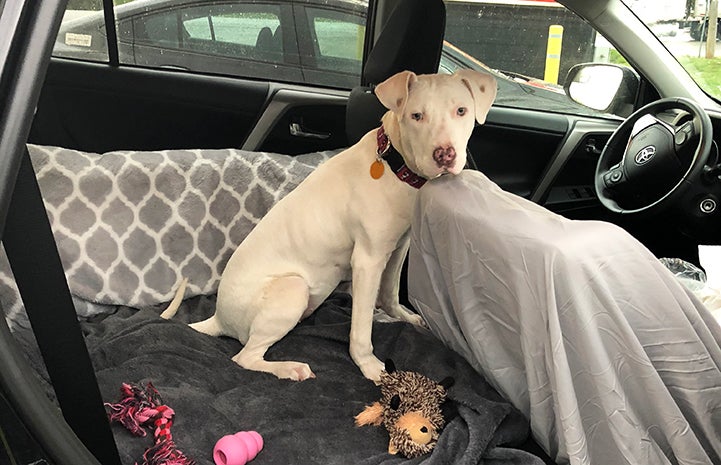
[130,224]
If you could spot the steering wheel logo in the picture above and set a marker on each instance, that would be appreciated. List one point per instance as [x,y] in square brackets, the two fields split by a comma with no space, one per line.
[645,155]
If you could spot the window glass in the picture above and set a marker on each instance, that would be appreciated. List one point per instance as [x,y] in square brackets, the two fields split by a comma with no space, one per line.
[338,35]
[200,28]
[337,45]
[683,27]
[246,38]
[516,38]
[233,30]
[331,43]
[244,27]
[241,24]
[530,45]
[82,32]
[159,30]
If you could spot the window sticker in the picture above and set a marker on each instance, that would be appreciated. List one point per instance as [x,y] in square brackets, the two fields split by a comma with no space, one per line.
[81,40]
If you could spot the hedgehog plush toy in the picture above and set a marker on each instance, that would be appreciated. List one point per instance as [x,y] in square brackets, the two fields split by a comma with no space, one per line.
[410,409]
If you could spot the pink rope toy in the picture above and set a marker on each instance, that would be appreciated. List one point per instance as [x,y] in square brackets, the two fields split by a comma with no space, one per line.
[140,407]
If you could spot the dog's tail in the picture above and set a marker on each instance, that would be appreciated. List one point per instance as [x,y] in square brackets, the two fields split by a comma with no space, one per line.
[172,309]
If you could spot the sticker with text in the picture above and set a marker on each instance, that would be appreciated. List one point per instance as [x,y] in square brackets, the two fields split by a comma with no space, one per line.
[81,40]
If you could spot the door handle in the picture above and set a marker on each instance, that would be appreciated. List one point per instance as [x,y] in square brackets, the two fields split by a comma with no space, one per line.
[297,130]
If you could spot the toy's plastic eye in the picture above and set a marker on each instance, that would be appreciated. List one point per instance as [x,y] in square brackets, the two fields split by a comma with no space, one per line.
[395,402]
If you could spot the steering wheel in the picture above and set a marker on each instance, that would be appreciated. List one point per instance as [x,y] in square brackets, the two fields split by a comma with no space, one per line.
[649,163]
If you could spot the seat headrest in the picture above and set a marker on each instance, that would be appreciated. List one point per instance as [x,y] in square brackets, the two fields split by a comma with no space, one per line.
[411,39]
[265,39]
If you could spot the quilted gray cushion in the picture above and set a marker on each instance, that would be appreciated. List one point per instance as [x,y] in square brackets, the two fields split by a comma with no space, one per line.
[129,225]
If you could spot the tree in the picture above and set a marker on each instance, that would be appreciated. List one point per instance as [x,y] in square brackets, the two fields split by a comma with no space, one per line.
[712,27]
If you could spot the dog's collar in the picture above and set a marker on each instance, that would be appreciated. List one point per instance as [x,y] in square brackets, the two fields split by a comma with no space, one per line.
[395,161]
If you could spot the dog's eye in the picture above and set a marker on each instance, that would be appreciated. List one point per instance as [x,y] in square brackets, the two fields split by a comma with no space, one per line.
[461,111]
[417,116]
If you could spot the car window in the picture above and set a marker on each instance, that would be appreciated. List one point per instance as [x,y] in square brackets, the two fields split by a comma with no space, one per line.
[529,44]
[229,23]
[245,38]
[683,27]
[339,38]
[82,33]
[232,30]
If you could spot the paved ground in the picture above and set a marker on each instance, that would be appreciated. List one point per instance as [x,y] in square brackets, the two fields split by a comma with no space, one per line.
[681,44]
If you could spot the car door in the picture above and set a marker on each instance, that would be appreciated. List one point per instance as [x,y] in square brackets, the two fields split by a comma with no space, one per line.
[182,94]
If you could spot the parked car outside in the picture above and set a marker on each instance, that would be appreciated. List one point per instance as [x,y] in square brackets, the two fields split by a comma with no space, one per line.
[307,41]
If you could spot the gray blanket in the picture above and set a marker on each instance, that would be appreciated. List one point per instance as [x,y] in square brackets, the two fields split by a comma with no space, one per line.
[575,322]
[304,423]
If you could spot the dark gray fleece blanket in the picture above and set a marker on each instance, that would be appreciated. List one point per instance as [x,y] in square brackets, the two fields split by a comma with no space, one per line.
[302,423]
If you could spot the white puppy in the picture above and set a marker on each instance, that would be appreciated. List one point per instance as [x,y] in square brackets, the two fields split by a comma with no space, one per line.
[348,219]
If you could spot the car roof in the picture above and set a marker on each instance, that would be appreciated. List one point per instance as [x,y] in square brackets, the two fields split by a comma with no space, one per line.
[137,6]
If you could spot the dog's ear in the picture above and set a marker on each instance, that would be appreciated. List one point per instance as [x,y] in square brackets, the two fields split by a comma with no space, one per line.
[483,89]
[393,92]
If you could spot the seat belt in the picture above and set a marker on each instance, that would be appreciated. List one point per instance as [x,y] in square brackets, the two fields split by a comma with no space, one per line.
[35,262]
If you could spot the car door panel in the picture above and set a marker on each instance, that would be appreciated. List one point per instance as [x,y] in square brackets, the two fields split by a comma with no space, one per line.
[549,159]
[514,146]
[298,120]
[574,164]
[99,108]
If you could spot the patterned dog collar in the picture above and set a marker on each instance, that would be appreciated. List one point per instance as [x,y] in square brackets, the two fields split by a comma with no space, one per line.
[395,161]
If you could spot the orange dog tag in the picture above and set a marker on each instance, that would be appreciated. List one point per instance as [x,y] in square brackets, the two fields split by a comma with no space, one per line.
[377,169]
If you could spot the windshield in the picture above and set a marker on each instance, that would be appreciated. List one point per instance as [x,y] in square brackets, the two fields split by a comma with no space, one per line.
[689,30]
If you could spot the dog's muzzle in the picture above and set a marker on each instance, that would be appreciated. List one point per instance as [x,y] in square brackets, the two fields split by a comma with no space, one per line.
[444,157]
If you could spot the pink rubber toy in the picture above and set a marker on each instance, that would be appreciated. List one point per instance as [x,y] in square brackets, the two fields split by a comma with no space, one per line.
[237,449]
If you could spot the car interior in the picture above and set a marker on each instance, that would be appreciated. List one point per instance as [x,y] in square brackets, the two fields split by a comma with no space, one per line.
[163,109]
[95,108]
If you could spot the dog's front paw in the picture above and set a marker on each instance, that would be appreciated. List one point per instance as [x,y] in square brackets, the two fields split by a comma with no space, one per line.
[371,368]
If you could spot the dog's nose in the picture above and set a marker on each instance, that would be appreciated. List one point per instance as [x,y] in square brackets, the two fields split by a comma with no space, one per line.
[444,156]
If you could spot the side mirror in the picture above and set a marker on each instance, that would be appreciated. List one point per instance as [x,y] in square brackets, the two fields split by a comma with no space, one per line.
[604,87]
